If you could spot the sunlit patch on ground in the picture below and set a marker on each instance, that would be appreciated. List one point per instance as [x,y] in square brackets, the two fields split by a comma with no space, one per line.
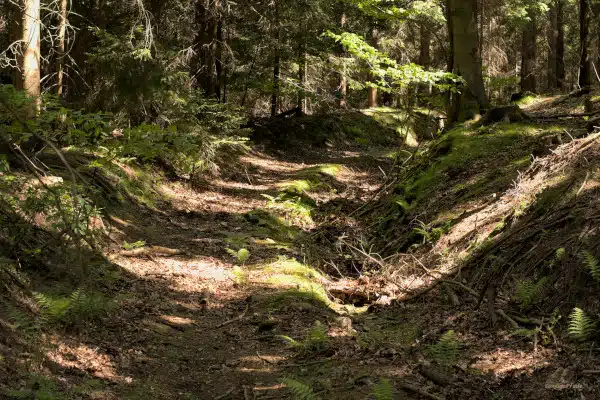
[86,359]
[504,361]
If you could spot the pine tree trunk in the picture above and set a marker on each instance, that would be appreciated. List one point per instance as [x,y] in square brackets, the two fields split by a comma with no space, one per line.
[343,87]
[62,30]
[424,55]
[219,61]
[560,44]
[584,45]
[30,60]
[529,55]
[466,60]
[302,75]
[372,91]
[552,41]
[276,63]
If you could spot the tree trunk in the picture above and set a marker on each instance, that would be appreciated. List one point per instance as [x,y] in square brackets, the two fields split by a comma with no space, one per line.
[206,45]
[62,30]
[219,61]
[560,44]
[30,60]
[276,62]
[552,41]
[466,60]
[424,55]
[343,88]
[302,75]
[529,55]
[584,45]
[372,91]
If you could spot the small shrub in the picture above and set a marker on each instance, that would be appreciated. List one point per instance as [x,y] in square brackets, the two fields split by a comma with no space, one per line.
[242,255]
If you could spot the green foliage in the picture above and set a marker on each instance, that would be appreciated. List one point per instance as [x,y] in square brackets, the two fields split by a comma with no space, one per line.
[39,388]
[242,255]
[295,208]
[387,71]
[315,340]
[383,390]
[78,306]
[135,245]
[299,390]
[291,266]
[528,292]
[581,326]
[447,350]
[592,265]
[240,276]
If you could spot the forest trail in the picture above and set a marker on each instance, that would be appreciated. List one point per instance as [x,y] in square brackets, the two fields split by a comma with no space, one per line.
[260,279]
[195,322]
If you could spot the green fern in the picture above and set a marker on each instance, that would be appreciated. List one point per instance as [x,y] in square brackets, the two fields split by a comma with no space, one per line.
[20,320]
[79,305]
[383,390]
[529,292]
[581,327]
[315,340]
[299,390]
[446,350]
[592,265]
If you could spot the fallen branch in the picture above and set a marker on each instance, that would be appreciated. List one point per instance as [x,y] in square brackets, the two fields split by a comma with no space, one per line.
[567,115]
[418,390]
[263,358]
[305,364]
[452,295]
[231,321]
[151,251]
[508,319]
[227,393]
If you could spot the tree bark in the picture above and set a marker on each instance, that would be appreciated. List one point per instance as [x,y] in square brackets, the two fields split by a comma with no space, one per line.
[30,60]
[560,44]
[302,78]
[552,41]
[62,30]
[207,25]
[219,60]
[343,86]
[424,54]
[372,90]
[529,55]
[466,60]
[276,62]
[584,45]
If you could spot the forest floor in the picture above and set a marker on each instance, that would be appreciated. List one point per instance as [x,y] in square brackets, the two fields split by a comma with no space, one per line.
[219,297]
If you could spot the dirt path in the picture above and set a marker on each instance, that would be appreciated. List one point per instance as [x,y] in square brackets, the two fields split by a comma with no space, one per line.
[197,322]
[237,282]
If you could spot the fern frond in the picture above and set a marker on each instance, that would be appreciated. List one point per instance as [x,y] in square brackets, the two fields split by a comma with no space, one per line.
[383,390]
[528,292]
[592,265]
[292,342]
[299,390]
[581,327]
[446,350]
